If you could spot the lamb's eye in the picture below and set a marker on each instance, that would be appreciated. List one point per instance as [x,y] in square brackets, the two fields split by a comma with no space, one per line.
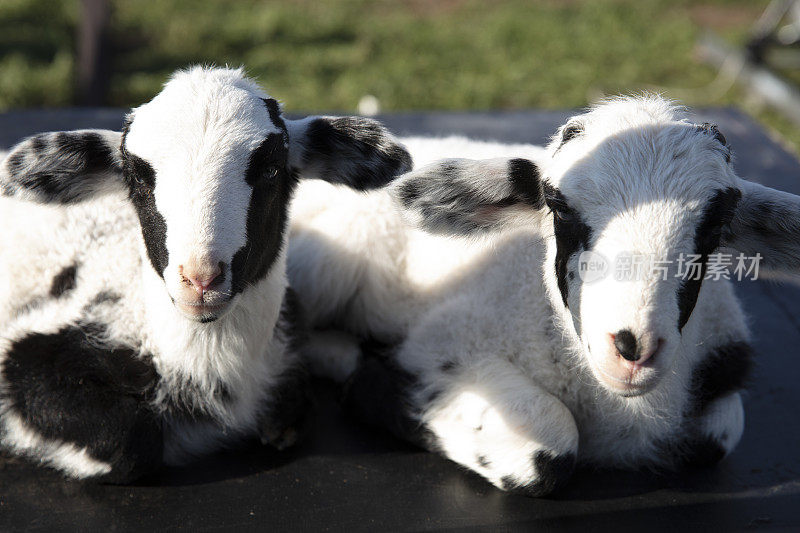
[564,215]
[272,171]
[135,178]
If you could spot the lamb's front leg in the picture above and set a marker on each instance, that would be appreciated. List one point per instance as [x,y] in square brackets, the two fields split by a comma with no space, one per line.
[495,421]
[285,417]
[487,416]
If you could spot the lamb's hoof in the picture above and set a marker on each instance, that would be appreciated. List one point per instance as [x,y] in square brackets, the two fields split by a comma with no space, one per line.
[552,473]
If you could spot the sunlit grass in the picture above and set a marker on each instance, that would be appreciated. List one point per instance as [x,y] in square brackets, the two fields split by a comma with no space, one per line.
[416,54]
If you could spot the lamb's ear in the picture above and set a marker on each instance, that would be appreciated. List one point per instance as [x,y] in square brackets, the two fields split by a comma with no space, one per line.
[355,151]
[63,167]
[767,222]
[467,196]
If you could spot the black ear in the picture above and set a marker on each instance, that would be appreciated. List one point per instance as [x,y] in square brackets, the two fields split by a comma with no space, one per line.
[713,131]
[568,131]
[767,222]
[355,151]
[63,167]
[467,196]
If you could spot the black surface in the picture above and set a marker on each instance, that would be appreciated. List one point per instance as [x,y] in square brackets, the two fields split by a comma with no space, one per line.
[347,478]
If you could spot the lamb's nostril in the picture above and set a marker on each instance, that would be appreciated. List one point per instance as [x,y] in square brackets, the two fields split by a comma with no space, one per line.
[625,343]
[648,353]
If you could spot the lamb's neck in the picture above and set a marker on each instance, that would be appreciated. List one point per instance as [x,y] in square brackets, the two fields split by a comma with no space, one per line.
[227,349]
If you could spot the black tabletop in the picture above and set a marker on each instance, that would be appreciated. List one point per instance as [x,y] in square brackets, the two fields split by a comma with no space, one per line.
[345,477]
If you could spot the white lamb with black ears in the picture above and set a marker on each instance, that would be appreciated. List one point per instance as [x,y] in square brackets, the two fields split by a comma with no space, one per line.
[496,352]
[144,311]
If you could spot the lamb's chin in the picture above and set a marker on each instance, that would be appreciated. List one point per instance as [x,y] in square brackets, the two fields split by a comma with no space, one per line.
[201,312]
[627,387]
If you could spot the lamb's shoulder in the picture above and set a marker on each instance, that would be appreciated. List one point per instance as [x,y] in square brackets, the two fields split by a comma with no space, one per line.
[493,305]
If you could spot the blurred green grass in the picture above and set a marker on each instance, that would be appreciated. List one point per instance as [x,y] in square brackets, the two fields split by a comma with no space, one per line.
[414,54]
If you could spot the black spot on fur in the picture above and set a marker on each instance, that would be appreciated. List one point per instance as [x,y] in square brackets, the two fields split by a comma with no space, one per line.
[723,370]
[64,281]
[525,181]
[141,179]
[267,213]
[70,386]
[374,158]
[716,217]
[552,473]
[482,461]
[571,234]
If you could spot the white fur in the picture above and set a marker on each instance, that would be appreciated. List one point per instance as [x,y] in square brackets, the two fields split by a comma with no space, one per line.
[488,304]
[197,135]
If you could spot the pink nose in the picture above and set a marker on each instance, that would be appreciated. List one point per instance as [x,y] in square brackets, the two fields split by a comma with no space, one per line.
[202,278]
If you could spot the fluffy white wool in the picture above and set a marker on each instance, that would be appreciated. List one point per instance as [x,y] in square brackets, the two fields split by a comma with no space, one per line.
[525,368]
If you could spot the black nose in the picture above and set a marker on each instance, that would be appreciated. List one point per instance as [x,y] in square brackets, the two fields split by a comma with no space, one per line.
[625,343]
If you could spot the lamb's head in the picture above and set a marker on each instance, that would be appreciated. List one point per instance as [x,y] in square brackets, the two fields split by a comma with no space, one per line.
[631,200]
[209,165]
[639,198]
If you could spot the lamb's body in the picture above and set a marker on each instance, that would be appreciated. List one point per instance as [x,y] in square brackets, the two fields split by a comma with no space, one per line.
[222,376]
[487,365]
[144,311]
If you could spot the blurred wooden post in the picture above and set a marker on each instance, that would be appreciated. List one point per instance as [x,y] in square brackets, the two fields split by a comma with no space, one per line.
[93,71]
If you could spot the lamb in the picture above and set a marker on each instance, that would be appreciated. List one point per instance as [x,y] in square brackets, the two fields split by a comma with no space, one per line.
[457,307]
[145,317]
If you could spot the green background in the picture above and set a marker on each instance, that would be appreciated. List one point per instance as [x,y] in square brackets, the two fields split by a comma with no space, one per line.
[415,54]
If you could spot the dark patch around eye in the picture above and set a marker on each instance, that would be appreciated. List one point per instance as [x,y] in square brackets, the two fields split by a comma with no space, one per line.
[141,179]
[270,155]
[716,217]
[571,234]
[267,213]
